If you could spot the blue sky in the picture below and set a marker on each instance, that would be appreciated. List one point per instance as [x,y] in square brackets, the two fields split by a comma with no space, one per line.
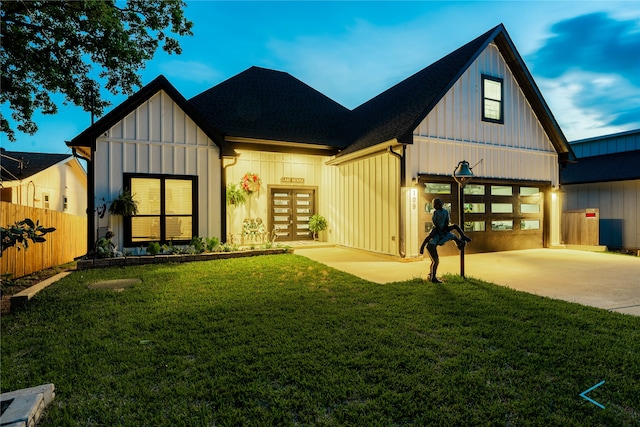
[584,55]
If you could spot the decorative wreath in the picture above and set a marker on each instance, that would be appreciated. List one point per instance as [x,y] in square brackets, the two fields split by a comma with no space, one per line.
[250,183]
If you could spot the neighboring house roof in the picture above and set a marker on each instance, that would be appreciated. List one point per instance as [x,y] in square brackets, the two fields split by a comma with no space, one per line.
[89,135]
[395,113]
[607,144]
[19,165]
[266,104]
[605,168]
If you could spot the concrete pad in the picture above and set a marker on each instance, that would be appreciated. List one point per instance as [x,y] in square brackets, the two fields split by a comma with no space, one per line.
[602,280]
[26,405]
[115,284]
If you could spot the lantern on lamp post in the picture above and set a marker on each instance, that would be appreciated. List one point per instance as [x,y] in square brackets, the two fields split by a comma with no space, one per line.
[462,174]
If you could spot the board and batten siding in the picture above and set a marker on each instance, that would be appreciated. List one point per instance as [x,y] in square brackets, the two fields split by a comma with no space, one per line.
[271,168]
[619,205]
[364,200]
[159,138]
[454,131]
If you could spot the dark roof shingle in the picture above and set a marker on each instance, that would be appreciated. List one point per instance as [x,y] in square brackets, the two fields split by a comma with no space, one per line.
[272,105]
[32,163]
[396,112]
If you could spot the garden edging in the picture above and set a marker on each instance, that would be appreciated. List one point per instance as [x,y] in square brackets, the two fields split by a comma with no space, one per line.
[85,264]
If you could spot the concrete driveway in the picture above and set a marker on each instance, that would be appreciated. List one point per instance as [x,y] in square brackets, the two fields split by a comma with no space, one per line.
[601,280]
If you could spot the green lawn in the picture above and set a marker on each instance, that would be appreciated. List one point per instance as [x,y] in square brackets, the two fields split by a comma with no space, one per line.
[282,340]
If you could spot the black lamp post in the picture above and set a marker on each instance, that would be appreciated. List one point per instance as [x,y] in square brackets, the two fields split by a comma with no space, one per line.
[462,175]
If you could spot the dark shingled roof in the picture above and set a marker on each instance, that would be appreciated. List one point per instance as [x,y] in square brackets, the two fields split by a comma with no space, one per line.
[272,105]
[262,104]
[608,167]
[32,163]
[396,112]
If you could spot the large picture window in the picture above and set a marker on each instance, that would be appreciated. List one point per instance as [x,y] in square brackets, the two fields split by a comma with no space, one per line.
[492,99]
[167,209]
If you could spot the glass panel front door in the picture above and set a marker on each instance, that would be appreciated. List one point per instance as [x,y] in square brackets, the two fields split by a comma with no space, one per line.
[290,211]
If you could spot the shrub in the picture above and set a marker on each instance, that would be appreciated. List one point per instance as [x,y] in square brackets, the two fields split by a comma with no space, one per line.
[153,248]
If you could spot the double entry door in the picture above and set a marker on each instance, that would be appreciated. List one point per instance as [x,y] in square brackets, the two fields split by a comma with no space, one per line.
[290,210]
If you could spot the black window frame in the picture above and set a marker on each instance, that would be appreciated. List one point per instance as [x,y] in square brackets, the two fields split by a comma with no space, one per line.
[127,177]
[501,100]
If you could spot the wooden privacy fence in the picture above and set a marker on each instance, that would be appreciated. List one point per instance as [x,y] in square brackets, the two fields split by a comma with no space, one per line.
[581,227]
[62,246]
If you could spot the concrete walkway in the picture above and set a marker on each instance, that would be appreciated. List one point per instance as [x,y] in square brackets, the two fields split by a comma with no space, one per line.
[601,280]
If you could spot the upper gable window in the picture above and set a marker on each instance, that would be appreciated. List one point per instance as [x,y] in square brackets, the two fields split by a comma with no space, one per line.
[492,95]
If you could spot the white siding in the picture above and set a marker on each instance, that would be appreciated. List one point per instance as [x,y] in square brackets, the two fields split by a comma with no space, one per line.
[159,138]
[271,168]
[66,179]
[364,197]
[454,131]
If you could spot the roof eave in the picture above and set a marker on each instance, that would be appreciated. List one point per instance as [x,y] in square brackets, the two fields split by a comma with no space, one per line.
[365,152]
[528,85]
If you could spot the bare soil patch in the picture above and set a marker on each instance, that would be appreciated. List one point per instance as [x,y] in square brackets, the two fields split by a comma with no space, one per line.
[8,288]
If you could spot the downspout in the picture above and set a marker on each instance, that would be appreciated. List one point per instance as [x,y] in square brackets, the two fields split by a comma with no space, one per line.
[401,242]
[223,180]
[90,195]
[91,199]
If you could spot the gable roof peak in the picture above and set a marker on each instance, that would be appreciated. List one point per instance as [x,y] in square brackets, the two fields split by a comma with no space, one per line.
[398,111]
[88,137]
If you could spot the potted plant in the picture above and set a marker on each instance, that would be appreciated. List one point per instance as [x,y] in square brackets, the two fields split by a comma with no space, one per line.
[317,223]
[235,195]
[124,204]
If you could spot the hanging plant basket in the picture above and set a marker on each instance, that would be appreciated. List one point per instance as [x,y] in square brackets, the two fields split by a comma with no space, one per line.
[124,204]
[235,195]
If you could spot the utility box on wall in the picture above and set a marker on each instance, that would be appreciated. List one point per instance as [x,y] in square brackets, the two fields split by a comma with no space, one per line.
[581,227]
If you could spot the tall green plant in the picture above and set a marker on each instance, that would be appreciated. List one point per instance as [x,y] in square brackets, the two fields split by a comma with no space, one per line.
[317,223]
[21,232]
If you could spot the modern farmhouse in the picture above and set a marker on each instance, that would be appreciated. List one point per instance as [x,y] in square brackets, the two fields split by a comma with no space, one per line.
[372,172]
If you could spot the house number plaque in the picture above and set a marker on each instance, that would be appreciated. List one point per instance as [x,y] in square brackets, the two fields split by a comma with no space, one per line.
[291,180]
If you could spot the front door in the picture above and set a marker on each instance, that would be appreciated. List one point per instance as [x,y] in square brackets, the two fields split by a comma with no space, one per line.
[290,210]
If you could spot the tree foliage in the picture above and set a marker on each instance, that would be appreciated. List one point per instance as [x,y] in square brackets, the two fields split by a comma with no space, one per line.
[21,232]
[71,47]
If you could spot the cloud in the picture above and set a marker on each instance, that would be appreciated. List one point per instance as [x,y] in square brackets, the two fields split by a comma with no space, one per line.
[192,71]
[360,63]
[593,62]
[590,104]
[593,42]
